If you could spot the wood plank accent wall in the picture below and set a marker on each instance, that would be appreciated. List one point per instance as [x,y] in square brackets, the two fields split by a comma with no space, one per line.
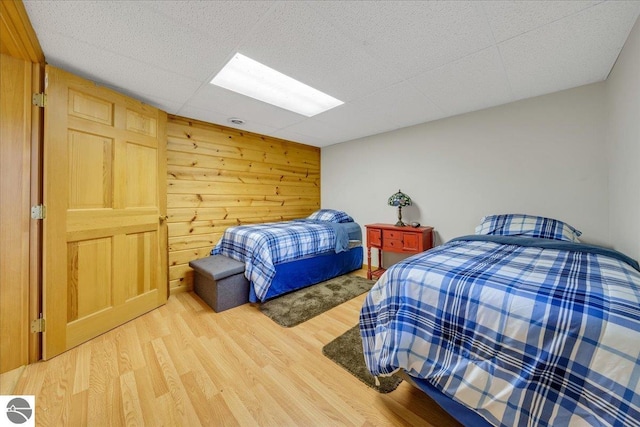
[219,177]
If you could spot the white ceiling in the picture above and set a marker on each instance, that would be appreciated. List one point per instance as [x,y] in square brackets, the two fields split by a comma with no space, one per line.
[394,63]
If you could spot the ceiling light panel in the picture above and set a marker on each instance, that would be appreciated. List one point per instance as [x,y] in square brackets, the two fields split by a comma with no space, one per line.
[251,78]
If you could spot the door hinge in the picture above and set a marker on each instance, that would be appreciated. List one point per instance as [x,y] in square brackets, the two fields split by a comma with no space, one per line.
[39,99]
[37,325]
[38,212]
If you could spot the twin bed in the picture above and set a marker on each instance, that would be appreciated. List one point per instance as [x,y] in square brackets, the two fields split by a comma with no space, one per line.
[281,257]
[517,325]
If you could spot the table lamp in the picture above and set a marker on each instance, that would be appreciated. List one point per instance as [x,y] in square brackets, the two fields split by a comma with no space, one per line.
[400,200]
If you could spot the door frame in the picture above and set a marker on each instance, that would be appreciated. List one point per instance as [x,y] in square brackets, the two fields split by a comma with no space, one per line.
[35,231]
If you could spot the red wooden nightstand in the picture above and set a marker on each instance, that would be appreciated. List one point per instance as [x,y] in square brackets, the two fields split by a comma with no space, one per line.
[387,237]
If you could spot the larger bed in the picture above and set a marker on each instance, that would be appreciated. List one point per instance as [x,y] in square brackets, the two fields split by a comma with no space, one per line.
[284,256]
[518,325]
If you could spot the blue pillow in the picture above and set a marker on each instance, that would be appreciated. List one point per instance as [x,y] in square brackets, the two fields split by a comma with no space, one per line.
[330,215]
[527,225]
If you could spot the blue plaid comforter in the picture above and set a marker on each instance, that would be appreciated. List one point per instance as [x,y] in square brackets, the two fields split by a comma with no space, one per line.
[525,335]
[262,246]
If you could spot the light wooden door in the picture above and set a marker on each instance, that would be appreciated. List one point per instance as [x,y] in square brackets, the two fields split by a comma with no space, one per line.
[105,241]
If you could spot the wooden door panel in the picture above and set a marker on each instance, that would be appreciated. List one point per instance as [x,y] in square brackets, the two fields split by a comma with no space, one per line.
[91,108]
[90,171]
[142,249]
[105,246]
[89,267]
[141,123]
[142,170]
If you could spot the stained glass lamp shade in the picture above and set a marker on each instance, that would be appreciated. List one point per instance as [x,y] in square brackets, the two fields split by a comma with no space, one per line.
[400,200]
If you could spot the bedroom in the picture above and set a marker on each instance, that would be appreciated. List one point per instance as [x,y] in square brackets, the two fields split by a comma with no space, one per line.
[591,183]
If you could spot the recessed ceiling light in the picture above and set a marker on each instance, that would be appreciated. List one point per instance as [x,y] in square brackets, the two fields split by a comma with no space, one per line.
[235,121]
[251,78]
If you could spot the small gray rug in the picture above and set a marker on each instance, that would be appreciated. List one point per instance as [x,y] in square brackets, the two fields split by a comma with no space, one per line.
[301,305]
[346,351]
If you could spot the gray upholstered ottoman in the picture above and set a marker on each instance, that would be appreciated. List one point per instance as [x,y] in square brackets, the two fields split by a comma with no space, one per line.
[220,282]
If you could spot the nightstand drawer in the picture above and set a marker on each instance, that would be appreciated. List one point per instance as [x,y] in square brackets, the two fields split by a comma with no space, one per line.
[392,244]
[391,234]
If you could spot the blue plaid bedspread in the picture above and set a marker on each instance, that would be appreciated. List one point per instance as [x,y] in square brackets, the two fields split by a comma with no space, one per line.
[262,246]
[523,335]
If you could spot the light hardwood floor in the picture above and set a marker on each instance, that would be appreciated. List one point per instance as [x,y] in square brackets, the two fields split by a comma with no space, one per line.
[185,365]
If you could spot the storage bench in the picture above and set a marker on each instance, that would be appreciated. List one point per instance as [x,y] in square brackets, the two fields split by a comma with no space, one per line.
[220,282]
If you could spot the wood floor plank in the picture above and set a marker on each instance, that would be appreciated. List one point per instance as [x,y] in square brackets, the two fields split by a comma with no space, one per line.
[198,373]
[313,405]
[78,414]
[208,406]
[57,389]
[240,412]
[280,415]
[183,405]
[151,411]
[186,365]
[349,416]
[83,369]
[8,380]
[168,413]
[177,355]
[132,410]
[154,371]
[130,355]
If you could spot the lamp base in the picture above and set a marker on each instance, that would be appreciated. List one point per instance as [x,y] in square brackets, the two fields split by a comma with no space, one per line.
[400,223]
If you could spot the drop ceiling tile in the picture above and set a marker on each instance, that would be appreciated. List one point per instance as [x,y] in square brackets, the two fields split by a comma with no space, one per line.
[124,74]
[220,19]
[365,116]
[315,140]
[215,98]
[165,105]
[221,119]
[511,18]
[222,26]
[352,118]
[574,51]
[299,42]
[474,82]
[412,36]
[410,107]
[133,30]
[320,132]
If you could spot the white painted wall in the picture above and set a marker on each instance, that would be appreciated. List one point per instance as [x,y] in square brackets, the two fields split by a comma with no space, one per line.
[623,138]
[543,156]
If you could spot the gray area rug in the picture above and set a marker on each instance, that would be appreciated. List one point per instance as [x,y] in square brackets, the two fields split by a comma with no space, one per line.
[301,305]
[346,351]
